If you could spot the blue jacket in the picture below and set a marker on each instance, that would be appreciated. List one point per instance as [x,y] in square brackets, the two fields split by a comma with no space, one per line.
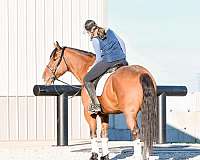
[110,49]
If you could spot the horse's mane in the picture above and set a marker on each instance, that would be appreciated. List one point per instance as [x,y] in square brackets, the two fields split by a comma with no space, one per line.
[78,50]
[83,51]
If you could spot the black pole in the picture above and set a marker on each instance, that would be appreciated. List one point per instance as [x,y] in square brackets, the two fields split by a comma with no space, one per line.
[63,91]
[62,120]
[162,118]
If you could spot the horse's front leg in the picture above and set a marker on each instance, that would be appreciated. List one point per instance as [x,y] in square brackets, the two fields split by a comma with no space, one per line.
[91,119]
[104,136]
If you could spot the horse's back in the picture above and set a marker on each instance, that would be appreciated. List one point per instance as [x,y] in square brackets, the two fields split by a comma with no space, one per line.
[124,88]
[135,71]
[130,73]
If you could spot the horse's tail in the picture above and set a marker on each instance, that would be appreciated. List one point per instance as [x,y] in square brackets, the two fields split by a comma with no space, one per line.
[149,130]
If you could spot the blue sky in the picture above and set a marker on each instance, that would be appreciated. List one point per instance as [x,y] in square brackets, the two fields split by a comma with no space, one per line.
[158,23]
[162,35]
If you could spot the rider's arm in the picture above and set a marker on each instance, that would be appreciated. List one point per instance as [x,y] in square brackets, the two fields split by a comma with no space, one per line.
[121,42]
[96,46]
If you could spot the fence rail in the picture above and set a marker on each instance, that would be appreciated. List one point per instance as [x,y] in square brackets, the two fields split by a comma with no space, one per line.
[63,91]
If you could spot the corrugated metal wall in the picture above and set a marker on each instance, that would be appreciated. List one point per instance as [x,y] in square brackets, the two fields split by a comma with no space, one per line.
[28,29]
[183,117]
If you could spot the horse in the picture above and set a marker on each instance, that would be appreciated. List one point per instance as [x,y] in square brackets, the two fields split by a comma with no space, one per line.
[128,90]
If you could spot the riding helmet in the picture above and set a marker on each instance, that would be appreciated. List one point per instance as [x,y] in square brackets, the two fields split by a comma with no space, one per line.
[89,24]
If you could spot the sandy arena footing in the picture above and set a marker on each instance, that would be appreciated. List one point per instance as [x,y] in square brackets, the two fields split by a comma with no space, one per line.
[119,150]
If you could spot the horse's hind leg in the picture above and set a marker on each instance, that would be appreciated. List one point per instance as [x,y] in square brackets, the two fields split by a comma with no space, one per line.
[131,119]
[104,136]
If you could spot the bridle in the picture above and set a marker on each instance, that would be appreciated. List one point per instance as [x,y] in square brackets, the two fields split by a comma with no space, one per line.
[53,78]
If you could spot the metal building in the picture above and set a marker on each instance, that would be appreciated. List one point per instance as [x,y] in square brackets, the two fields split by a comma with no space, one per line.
[28,29]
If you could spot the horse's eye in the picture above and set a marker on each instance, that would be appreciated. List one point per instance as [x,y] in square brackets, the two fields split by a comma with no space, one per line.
[55,58]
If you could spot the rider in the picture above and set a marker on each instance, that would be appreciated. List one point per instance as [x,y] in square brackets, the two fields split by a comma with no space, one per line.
[110,50]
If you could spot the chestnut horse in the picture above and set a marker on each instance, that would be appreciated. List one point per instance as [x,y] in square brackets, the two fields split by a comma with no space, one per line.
[128,90]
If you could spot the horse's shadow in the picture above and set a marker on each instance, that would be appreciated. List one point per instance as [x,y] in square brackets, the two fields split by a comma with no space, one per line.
[125,153]
[176,152]
[164,153]
[167,152]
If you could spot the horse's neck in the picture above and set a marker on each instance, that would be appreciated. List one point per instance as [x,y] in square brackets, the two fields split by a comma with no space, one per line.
[79,64]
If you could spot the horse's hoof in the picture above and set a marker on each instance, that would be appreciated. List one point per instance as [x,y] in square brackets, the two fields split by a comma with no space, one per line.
[106,157]
[94,156]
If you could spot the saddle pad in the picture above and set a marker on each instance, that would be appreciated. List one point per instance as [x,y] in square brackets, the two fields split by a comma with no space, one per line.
[101,83]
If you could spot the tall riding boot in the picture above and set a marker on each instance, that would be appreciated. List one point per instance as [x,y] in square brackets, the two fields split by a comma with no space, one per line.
[95,107]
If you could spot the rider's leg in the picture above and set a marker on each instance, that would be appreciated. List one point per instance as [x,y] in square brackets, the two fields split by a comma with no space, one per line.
[98,69]
[95,107]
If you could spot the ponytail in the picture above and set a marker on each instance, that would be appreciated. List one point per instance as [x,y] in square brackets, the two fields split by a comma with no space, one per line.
[101,33]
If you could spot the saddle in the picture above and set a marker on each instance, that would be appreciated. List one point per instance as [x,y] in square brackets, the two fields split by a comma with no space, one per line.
[110,70]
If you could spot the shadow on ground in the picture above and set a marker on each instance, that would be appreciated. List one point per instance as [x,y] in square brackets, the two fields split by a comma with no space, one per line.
[165,153]
[169,152]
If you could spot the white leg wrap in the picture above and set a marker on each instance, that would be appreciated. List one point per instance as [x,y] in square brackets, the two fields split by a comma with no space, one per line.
[94,145]
[104,143]
[137,149]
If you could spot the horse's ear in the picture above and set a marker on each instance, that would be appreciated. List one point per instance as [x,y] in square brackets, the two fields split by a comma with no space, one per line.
[56,45]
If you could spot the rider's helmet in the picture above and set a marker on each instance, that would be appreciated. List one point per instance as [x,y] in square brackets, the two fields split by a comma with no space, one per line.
[89,24]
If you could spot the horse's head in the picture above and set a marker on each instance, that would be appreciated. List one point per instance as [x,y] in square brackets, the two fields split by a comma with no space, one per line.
[57,65]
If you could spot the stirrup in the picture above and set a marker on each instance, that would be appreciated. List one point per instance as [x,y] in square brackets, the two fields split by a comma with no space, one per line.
[95,109]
